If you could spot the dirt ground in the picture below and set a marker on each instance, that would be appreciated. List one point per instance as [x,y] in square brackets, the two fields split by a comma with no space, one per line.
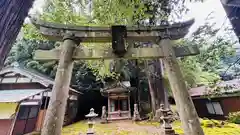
[129,126]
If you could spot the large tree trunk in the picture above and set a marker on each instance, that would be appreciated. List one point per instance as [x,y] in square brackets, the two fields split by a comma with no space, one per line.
[156,83]
[153,96]
[156,77]
[156,88]
[150,88]
[159,86]
[12,15]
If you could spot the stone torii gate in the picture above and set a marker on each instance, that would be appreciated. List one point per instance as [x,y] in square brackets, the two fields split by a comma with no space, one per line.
[119,36]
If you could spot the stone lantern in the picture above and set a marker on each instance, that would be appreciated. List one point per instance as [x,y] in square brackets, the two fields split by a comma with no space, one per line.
[91,117]
[167,119]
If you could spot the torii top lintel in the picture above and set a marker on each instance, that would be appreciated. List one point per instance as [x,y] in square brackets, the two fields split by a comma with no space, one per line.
[54,31]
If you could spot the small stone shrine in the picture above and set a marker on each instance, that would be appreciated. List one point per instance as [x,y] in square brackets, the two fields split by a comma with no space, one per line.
[118,100]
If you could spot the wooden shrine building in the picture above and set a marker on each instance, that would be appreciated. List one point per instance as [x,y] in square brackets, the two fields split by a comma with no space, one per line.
[118,96]
[24,99]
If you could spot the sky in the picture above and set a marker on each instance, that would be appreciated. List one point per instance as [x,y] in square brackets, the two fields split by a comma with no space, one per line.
[198,11]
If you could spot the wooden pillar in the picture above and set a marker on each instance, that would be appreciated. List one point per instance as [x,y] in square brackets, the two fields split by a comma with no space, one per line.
[164,90]
[109,105]
[129,104]
[185,106]
[57,106]
[118,100]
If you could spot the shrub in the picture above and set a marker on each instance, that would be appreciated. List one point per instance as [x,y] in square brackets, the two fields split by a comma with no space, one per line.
[217,123]
[234,117]
[211,123]
[150,115]
[208,123]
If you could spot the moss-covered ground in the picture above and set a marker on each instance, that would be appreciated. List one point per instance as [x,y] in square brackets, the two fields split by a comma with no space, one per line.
[148,128]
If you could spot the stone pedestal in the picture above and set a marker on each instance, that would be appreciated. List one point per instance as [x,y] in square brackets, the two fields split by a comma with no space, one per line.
[90,128]
[166,129]
[168,132]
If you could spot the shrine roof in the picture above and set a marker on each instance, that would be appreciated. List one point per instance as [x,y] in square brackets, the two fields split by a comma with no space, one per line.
[116,88]
[33,75]
[18,95]
[226,88]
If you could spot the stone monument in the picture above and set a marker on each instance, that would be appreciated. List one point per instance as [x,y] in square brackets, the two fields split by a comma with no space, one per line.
[104,115]
[136,115]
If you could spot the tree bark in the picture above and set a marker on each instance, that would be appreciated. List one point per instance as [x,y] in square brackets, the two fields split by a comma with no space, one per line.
[12,15]
[55,113]
[185,106]
[151,90]
[159,86]
[153,97]
[156,85]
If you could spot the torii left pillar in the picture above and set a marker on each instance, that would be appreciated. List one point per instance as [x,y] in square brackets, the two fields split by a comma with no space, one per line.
[55,113]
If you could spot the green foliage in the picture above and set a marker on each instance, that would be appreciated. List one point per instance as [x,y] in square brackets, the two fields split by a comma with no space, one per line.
[124,12]
[234,117]
[213,127]
[150,116]
[194,74]
[103,13]
[70,15]
[23,53]
[30,32]
[62,11]
[210,123]
[204,69]
[212,53]
[197,70]
[217,127]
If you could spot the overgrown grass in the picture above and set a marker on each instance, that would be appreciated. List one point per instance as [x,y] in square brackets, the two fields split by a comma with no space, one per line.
[214,129]
[112,129]
[101,129]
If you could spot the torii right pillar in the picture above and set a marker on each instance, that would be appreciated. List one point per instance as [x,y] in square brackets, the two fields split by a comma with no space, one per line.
[185,106]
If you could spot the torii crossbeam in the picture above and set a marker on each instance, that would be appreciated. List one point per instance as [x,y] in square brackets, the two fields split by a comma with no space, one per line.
[73,35]
[103,34]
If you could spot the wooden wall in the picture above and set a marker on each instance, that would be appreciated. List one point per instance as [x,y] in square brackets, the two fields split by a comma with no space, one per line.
[231,104]
[40,120]
[5,126]
[228,104]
